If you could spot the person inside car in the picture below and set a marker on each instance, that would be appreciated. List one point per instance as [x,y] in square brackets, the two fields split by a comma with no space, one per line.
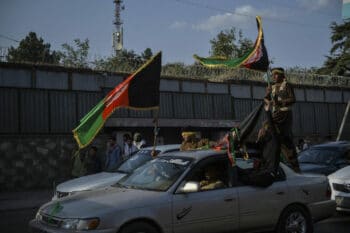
[211,180]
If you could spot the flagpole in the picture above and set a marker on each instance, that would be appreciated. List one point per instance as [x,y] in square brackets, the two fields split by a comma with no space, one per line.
[155,131]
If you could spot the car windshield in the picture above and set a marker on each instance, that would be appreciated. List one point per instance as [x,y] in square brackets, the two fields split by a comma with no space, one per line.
[135,161]
[158,174]
[318,156]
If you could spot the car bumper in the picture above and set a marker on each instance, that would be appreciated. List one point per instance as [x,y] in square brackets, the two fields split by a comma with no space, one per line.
[37,227]
[322,210]
[343,203]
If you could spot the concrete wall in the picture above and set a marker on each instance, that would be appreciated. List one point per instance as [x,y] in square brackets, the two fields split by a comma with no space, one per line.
[37,161]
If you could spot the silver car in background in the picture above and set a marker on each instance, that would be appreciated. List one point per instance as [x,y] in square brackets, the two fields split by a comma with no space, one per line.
[175,193]
[340,184]
[107,178]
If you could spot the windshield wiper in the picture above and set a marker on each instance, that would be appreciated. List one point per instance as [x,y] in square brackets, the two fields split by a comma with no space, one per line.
[122,171]
[118,185]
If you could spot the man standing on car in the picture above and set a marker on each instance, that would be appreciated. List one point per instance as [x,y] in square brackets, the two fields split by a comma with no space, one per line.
[281,96]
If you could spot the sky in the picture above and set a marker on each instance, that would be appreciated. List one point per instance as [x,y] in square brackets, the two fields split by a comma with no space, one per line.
[297,32]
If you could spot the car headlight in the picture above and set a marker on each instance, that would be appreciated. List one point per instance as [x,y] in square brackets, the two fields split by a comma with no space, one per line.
[38,216]
[80,224]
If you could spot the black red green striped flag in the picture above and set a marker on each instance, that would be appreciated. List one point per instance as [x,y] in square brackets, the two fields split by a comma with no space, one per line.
[256,58]
[139,91]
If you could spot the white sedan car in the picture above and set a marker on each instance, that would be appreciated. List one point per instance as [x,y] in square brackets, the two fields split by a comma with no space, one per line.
[340,184]
[190,192]
[107,178]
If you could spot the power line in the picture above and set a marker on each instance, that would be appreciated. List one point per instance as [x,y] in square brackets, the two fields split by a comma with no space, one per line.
[9,38]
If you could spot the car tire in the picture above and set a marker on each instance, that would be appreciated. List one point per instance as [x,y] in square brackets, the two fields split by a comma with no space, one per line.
[139,227]
[294,219]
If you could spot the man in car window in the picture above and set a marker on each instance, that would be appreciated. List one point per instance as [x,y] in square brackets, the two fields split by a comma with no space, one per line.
[212,180]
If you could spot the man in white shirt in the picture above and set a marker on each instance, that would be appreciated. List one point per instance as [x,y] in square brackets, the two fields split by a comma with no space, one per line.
[129,147]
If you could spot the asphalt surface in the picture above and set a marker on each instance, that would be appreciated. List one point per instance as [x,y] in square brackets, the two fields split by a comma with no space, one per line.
[16,221]
[17,209]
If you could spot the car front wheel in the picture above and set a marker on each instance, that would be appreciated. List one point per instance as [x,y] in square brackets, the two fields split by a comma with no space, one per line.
[139,227]
[294,219]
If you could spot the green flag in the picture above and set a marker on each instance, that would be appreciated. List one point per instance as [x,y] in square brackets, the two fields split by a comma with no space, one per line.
[256,58]
[139,91]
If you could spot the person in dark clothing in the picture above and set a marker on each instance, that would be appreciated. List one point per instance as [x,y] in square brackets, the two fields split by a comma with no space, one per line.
[281,96]
[92,162]
[270,145]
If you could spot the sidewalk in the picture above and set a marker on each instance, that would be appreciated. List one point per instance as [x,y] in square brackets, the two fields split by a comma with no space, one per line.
[24,200]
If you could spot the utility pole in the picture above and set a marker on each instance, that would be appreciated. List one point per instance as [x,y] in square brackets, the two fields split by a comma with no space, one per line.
[118,33]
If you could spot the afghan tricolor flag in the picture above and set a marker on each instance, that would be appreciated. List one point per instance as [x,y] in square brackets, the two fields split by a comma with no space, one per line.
[139,91]
[256,58]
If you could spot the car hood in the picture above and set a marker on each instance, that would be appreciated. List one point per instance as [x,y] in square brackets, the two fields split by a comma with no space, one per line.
[315,168]
[90,182]
[102,202]
[343,174]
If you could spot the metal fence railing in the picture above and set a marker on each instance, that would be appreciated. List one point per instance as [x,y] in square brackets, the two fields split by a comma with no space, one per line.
[222,74]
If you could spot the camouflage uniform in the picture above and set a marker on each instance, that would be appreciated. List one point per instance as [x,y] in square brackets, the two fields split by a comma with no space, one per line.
[193,143]
[283,98]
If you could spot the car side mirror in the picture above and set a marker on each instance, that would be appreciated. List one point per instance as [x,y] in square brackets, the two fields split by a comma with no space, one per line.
[190,187]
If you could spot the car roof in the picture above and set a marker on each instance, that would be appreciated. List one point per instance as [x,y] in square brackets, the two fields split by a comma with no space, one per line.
[163,148]
[336,145]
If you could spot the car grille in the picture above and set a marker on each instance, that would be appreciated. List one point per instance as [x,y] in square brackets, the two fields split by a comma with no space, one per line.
[61,194]
[342,187]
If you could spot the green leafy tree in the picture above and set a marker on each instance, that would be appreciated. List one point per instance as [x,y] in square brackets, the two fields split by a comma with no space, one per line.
[147,54]
[338,63]
[76,55]
[33,49]
[230,44]
[126,61]
[178,68]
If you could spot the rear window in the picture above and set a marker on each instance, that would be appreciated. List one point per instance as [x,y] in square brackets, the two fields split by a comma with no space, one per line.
[318,156]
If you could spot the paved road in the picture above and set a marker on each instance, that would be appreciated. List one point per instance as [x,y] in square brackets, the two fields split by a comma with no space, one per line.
[16,221]
[337,224]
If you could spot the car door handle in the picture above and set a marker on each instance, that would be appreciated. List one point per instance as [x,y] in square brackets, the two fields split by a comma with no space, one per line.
[228,199]
[280,193]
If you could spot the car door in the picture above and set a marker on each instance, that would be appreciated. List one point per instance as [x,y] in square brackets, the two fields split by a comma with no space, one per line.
[213,210]
[259,208]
